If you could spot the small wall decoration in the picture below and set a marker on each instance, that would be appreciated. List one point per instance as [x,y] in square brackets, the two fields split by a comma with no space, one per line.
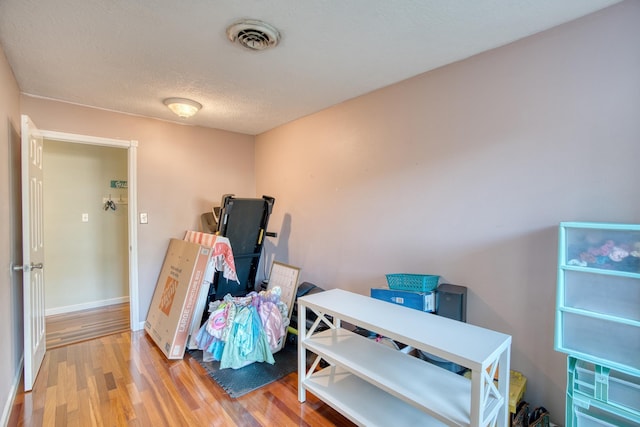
[119,184]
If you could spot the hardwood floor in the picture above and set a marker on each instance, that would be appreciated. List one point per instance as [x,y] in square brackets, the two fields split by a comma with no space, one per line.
[124,380]
[70,328]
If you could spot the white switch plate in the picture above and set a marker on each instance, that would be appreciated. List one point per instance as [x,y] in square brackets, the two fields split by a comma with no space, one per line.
[85,217]
[144,219]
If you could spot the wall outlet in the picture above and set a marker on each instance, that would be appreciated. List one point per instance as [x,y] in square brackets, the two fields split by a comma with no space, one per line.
[85,217]
[144,219]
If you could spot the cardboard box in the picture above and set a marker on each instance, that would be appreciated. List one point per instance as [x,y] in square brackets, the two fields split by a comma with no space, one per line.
[174,299]
[423,301]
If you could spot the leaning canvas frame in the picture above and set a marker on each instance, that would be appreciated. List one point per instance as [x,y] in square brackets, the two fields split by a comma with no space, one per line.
[286,277]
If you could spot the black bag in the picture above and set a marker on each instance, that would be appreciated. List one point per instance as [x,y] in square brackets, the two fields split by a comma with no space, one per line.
[539,418]
[521,417]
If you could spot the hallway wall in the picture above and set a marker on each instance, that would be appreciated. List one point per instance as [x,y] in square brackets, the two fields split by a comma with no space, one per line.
[87,262]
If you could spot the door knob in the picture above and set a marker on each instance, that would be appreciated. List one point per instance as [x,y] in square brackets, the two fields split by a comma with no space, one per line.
[30,267]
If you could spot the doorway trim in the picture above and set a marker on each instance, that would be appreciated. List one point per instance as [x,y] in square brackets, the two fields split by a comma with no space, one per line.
[132,190]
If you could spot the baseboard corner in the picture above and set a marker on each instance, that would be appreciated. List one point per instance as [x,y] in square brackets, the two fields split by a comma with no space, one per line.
[6,412]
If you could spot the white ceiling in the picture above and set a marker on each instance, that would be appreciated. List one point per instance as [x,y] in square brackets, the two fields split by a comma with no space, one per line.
[128,56]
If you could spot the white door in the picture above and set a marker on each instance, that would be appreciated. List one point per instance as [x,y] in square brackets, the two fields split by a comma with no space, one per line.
[33,252]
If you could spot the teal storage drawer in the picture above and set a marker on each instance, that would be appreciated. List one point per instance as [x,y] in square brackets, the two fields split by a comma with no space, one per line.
[610,247]
[617,296]
[593,382]
[598,294]
[594,416]
[601,340]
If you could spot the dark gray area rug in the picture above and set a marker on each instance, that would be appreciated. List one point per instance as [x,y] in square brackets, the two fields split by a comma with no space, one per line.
[238,382]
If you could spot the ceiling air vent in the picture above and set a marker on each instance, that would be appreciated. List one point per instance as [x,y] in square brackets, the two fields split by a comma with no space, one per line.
[253,34]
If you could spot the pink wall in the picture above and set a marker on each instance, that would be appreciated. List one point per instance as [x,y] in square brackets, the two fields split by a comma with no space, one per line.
[466,172]
[10,238]
[182,172]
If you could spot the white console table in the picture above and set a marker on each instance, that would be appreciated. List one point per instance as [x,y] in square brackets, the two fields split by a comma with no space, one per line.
[373,384]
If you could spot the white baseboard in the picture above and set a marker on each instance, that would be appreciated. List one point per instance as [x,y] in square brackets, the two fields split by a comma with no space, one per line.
[140,326]
[85,306]
[6,412]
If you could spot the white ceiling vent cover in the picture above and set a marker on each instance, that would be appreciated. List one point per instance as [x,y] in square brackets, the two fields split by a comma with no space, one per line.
[253,34]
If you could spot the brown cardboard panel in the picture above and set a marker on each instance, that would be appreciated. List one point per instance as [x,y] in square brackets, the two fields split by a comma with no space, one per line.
[174,299]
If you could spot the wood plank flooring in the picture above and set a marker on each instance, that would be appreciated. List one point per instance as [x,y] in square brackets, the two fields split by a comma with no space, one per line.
[124,380]
[70,328]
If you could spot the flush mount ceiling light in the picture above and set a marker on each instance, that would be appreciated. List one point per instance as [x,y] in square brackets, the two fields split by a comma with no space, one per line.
[253,34]
[183,107]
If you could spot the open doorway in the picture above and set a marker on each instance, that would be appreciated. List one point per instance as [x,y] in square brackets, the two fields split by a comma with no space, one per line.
[105,269]
[85,207]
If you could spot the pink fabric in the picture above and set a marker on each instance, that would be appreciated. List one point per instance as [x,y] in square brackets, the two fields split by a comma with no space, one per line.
[272,323]
[222,253]
[205,239]
[223,258]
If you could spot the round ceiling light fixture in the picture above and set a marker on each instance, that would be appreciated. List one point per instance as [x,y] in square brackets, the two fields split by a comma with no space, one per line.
[183,107]
[253,34]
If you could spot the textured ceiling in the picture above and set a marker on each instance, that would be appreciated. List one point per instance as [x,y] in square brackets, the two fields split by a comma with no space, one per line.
[128,56]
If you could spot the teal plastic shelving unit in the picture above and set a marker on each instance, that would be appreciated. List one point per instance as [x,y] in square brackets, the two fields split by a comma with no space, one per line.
[598,322]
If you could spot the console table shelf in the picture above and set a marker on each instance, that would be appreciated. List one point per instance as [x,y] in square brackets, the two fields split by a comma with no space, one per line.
[372,384]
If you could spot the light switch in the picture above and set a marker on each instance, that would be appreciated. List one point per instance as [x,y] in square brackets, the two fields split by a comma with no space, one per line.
[85,217]
[144,218]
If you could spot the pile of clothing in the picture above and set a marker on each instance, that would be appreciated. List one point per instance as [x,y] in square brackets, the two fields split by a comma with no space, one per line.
[243,330]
